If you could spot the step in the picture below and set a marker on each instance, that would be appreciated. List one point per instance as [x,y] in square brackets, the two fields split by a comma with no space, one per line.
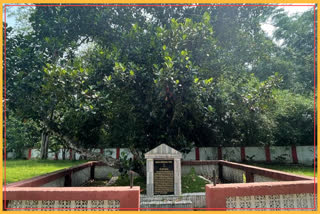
[167,205]
[198,199]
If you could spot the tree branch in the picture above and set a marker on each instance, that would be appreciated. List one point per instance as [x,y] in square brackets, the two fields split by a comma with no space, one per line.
[109,161]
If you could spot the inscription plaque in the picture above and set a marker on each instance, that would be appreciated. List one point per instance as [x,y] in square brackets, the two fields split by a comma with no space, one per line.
[163,177]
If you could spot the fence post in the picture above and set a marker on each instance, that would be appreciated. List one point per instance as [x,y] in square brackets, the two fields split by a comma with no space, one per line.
[243,154]
[131,179]
[214,177]
[267,151]
[294,154]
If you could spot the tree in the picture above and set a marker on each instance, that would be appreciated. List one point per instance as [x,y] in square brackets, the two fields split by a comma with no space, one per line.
[24,64]
[146,76]
[21,135]
[297,49]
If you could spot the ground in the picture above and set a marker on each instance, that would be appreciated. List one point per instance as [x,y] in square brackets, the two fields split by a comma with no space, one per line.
[190,183]
[290,168]
[17,170]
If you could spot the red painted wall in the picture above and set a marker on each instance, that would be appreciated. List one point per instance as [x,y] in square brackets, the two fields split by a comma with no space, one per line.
[216,195]
[129,197]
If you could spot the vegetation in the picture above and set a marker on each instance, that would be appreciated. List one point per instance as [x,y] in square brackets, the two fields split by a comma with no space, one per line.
[189,183]
[192,183]
[17,170]
[136,77]
[124,180]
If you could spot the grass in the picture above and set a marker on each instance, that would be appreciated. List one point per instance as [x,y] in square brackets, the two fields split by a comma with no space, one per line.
[290,168]
[17,170]
[192,183]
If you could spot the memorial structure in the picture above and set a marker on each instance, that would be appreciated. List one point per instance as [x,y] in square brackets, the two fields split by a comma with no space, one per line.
[163,171]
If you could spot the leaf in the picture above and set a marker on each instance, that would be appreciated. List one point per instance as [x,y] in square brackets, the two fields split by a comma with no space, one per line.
[188,21]
[177,82]
[210,108]
[135,27]
[46,70]
[168,58]
[208,81]
[206,17]
[196,80]
[131,72]
[164,47]
[184,36]
[183,53]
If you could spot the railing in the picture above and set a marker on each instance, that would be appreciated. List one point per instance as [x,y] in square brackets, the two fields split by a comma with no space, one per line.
[57,191]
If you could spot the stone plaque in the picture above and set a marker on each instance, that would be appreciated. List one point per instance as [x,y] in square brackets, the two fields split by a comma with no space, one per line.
[163,171]
[163,177]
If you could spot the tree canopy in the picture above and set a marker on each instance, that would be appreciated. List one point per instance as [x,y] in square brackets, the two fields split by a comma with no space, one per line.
[136,77]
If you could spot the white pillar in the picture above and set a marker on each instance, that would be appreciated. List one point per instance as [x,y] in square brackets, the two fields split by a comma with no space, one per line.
[177,176]
[150,183]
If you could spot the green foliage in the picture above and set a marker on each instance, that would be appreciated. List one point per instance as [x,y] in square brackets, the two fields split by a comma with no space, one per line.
[293,58]
[136,77]
[126,163]
[293,115]
[21,135]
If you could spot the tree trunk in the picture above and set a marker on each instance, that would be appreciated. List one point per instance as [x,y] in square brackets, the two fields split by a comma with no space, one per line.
[63,154]
[44,145]
[141,168]
[109,161]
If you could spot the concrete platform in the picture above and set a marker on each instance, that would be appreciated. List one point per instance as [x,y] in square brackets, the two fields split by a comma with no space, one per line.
[166,205]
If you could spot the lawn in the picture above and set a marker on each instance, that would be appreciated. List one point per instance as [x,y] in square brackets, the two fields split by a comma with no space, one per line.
[291,168]
[17,170]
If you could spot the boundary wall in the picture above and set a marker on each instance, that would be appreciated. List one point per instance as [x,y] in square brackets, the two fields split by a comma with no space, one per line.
[285,154]
[48,192]
[257,191]
[256,188]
